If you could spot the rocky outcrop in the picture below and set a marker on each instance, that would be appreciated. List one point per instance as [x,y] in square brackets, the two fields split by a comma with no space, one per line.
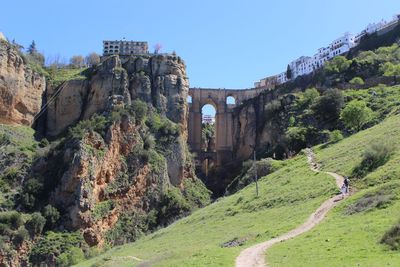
[21,88]
[260,122]
[159,80]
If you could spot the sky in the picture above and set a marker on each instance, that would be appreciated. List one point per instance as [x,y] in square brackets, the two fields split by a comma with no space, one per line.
[225,43]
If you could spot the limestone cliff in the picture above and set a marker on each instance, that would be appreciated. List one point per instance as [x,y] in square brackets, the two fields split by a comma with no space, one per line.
[156,79]
[21,88]
[260,122]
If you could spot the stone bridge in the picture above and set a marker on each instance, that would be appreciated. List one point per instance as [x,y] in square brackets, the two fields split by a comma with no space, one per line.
[223,149]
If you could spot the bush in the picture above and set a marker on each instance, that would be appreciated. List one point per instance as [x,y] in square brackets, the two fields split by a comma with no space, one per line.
[52,245]
[357,81]
[96,123]
[308,97]
[356,114]
[20,236]
[139,110]
[35,224]
[51,214]
[44,142]
[328,106]
[13,219]
[379,199]
[296,137]
[338,64]
[335,136]
[30,193]
[129,227]
[392,237]
[70,257]
[376,155]
[102,209]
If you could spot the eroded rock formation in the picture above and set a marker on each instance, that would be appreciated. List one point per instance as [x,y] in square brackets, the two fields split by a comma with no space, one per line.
[156,79]
[21,88]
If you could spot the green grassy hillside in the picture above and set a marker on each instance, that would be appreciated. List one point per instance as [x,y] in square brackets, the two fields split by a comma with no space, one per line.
[287,198]
[351,234]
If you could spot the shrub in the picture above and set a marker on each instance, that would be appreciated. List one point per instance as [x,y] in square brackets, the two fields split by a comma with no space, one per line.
[392,237]
[30,192]
[51,214]
[20,236]
[338,64]
[5,139]
[52,245]
[296,137]
[328,105]
[70,257]
[308,97]
[335,136]
[356,114]
[35,224]
[13,219]
[130,227]
[379,199]
[149,142]
[139,109]
[357,81]
[196,192]
[376,155]
[102,209]
[44,142]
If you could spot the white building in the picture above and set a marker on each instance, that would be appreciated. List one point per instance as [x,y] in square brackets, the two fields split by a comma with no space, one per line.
[306,65]
[342,45]
[124,48]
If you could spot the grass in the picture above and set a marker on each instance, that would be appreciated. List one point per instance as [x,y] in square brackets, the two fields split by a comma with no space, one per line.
[353,238]
[57,76]
[287,198]
[17,139]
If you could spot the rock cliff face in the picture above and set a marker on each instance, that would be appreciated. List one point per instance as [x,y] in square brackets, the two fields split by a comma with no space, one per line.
[259,122]
[21,89]
[156,79]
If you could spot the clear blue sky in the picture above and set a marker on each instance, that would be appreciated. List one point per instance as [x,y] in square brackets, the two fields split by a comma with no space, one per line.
[225,44]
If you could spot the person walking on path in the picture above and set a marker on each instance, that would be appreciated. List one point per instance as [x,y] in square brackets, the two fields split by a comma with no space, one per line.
[345,186]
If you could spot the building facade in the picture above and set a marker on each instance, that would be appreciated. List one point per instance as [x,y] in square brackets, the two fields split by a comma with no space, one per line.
[124,48]
[305,65]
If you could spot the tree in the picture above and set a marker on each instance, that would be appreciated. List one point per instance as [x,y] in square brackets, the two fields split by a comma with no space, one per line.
[389,69]
[77,61]
[32,48]
[328,105]
[289,73]
[338,64]
[92,59]
[51,214]
[309,96]
[356,114]
[36,223]
[34,55]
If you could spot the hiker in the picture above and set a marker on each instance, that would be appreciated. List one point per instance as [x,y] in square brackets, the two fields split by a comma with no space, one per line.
[345,187]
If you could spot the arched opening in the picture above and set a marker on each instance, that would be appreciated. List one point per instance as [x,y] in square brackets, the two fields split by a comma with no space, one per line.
[208,129]
[189,99]
[230,100]
[208,165]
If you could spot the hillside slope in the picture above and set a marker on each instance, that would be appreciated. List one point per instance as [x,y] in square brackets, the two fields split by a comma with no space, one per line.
[351,234]
[287,198]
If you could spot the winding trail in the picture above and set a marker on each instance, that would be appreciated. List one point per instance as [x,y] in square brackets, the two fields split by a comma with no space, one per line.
[254,256]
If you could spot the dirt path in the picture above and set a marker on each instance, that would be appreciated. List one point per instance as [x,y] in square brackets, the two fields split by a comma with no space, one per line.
[255,256]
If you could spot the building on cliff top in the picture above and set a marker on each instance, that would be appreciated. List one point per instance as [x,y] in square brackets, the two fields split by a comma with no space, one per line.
[124,48]
[342,45]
